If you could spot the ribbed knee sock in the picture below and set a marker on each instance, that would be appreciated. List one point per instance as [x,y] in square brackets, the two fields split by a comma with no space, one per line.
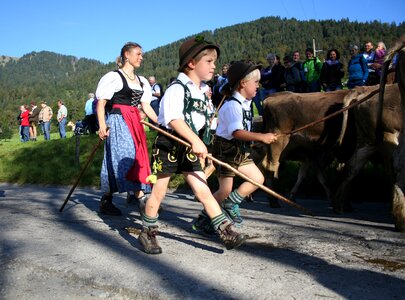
[233,198]
[149,221]
[218,220]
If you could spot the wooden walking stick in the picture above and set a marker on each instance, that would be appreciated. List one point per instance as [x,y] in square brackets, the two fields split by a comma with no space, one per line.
[218,107]
[89,160]
[208,172]
[225,165]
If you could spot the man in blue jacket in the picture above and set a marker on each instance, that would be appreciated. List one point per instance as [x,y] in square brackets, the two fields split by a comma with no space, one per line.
[357,69]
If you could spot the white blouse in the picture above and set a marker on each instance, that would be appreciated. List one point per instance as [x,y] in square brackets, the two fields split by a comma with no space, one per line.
[172,103]
[111,83]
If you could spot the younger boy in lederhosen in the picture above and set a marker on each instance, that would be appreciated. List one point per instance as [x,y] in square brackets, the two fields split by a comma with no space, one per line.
[183,112]
[232,142]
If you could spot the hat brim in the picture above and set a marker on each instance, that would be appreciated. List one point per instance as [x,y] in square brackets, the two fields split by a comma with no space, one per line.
[251,68]
[194,52]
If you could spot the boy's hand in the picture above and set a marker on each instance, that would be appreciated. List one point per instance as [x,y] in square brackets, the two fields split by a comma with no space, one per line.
[268,138]
[199,148]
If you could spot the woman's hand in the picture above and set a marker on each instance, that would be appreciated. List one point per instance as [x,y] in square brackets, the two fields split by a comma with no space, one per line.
[103,131]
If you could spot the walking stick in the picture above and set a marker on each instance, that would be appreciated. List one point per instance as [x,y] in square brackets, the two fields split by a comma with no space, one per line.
[100,141]
[218,107]
[221,163]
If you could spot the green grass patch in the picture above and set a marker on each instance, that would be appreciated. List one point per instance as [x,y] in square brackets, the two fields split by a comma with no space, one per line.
[55,162]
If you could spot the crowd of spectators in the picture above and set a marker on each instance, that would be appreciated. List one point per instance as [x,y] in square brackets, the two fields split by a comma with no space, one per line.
[31,117]
[312,74]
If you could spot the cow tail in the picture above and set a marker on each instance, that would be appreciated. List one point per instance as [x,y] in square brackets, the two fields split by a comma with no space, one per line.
[383,80]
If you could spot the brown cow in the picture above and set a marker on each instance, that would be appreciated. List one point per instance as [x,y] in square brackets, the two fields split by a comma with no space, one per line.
[286,111]
[365,118]
[398,203]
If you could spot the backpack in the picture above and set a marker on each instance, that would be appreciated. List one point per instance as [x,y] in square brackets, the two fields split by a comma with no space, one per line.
[161,90]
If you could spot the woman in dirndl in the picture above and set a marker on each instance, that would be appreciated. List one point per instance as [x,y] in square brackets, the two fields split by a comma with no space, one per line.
[123,101]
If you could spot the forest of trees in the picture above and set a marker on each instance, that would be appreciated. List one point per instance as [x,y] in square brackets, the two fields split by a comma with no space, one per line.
[50,76]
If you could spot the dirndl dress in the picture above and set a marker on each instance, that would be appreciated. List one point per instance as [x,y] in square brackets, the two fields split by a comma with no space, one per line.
[126,164]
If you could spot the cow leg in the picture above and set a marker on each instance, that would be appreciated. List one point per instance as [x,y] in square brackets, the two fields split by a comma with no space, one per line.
[322,180]
[351,170]
[398,208]
[302,173]
[398,200]
[269,178]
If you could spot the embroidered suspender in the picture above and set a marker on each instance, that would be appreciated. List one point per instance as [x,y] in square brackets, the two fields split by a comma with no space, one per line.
[247,118]
[247,115]
[197,105]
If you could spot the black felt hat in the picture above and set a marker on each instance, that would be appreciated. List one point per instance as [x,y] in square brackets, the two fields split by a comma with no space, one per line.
[190,49]
[238,71]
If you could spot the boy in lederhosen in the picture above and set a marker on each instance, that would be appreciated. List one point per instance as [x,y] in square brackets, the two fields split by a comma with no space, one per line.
[183,112]
[232,142]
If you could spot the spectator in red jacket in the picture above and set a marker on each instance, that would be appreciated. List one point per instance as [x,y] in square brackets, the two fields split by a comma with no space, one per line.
[25,123]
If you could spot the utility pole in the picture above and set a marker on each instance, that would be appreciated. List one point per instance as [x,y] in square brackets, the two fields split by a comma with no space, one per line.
[314,47]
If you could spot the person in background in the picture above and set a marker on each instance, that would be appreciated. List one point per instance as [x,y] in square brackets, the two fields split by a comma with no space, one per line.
[272,76]
[90,118]
[34,115]
[332,72]
[125,166]
[312,71]
[218,83]
[25,123]
[369,56]
[357,68]
[156,94]
[379,57]
[292,77]
[44,119]
[296,58]
[62,119]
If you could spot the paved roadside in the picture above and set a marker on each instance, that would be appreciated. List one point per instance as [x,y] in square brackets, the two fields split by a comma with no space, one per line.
[79,254]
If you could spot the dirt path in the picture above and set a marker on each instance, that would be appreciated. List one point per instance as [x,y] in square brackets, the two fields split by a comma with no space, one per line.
[79,254]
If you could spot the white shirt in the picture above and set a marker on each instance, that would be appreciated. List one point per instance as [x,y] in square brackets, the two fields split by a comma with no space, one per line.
[111,83]
[155,89]
[62,111]
[172,103]
[230,116]
[88,107]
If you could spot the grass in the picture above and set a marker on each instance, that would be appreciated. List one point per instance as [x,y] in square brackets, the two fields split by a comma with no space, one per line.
[48,162]
[54,163]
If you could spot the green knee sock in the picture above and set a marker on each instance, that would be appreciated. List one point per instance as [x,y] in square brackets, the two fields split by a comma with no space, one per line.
[149,221]
[218,220]
[233,198]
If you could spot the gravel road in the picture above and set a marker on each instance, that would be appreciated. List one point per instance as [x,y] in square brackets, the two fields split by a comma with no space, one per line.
[79,254]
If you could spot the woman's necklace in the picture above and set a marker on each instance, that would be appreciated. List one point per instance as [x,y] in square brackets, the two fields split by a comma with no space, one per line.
[128,75]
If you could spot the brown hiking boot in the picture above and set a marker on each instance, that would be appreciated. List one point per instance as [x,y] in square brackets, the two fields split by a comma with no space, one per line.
[107,207]
[231,238]
[147,238]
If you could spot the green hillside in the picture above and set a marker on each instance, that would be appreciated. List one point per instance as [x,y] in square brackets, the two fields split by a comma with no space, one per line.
[50,76]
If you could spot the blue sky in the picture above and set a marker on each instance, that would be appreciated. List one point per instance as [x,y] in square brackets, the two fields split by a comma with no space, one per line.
[98,29]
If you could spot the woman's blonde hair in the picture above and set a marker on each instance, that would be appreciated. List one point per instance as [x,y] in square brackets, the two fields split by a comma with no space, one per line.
[120,61]
[382,45]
